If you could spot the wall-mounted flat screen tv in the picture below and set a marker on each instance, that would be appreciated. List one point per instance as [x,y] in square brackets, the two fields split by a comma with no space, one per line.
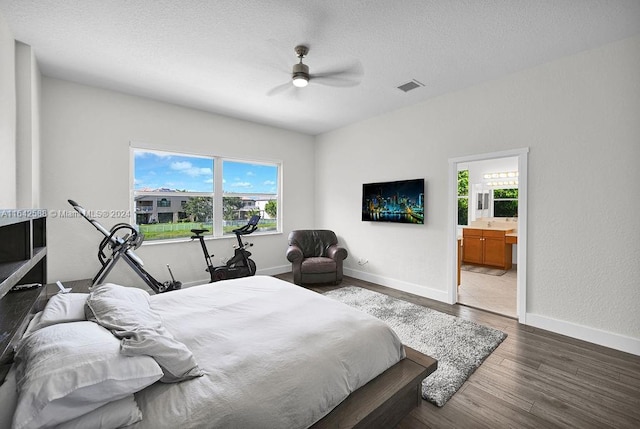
[401,201]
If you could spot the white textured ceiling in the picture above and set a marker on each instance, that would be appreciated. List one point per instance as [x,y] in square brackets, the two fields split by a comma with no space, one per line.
[225,56]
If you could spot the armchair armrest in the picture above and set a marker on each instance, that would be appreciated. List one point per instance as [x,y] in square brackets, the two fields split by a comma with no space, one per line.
[337,253]
[294,253]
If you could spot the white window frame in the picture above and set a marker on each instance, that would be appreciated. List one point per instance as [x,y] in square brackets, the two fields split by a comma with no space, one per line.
[217,194]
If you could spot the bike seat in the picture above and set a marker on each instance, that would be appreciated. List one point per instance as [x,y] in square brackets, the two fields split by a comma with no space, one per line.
[199,231]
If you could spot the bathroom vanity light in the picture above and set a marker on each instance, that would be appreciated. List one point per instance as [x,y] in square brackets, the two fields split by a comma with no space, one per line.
[501,179]
[501,175]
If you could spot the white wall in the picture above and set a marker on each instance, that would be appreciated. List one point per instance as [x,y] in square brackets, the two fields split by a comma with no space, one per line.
[27,127]
[7,117]
[580,118]
[86,134]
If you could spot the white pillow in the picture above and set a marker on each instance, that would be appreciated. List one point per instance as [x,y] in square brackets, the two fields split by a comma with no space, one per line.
[8,398]
[66,370]
[63,308]
[116,414]
[33,324]
[127,313]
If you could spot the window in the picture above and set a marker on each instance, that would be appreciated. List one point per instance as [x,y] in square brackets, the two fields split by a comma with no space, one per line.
[174,193]
[164,202]
[463,197]
[505,202]
[162,182]
[248,188]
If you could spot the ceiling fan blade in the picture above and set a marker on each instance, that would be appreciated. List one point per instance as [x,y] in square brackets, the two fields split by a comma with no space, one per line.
[286,89]
[336,81]
[280,89]
[347,76]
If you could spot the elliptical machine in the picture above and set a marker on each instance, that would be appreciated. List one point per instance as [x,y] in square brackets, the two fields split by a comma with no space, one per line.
[240,265]
[121,240]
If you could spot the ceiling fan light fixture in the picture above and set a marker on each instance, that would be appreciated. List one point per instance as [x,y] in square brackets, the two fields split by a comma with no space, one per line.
[300,81]
[300,75]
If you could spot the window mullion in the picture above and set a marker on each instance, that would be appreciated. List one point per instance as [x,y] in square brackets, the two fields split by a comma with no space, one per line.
[218,208]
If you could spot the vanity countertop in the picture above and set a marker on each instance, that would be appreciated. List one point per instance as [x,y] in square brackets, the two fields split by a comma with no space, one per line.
[494,228]
[508,225]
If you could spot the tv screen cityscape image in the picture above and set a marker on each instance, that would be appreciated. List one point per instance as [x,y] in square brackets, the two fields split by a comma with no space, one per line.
[400,201]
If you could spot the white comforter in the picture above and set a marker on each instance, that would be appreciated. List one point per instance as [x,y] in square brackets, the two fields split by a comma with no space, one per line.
[275,356]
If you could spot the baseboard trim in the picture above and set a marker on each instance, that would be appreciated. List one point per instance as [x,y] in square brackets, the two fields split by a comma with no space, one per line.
[585,333]
[194,283]
[413,288]
[580,332]
[273,271]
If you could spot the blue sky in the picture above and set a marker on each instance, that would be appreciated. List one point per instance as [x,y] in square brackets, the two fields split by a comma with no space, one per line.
[154,170]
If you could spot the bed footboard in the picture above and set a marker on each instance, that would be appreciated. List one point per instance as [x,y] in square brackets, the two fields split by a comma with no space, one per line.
[386,399]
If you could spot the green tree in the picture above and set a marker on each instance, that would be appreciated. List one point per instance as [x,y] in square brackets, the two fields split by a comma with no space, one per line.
[505,193]
[271,208]
[463,183]
[505,202]
[230,206]
[199,208]
[463,203]
[463,211]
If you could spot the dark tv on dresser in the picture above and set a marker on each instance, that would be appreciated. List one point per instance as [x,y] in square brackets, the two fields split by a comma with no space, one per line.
[400,201]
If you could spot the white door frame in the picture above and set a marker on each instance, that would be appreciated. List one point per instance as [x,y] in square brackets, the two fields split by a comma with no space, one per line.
[521,289]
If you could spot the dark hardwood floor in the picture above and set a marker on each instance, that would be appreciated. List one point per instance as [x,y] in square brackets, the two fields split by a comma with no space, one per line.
[534,379]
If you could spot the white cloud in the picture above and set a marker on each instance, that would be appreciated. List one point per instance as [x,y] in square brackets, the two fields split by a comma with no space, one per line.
[188,168]
[181,165]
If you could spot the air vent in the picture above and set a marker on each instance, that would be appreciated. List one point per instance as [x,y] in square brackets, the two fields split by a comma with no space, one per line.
[410,85]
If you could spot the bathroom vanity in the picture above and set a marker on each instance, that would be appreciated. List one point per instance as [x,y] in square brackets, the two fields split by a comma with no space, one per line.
[489,243]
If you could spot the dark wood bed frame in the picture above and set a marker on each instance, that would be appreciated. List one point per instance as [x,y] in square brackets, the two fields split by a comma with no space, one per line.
[381,403]
[386,399]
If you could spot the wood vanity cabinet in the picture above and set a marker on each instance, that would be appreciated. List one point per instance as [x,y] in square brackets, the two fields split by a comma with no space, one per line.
[486,247]
[472,246]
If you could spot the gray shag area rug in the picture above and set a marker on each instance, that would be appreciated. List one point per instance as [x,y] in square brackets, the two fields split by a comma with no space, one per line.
[459,345]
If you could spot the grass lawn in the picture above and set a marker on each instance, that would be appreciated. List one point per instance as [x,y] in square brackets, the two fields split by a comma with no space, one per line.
[164,231]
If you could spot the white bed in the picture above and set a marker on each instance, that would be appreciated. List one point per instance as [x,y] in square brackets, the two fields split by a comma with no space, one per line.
[274,355]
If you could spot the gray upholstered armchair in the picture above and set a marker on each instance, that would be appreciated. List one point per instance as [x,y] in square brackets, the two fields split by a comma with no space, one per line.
[316,256]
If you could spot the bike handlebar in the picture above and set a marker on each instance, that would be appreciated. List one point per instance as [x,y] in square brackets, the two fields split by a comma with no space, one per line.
[250,227]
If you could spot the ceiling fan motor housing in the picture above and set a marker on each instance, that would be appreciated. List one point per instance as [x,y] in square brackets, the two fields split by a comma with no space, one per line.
[301,70]
[300,74]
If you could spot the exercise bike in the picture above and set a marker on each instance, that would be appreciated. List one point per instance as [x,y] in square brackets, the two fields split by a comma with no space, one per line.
[240,265]
[121,240]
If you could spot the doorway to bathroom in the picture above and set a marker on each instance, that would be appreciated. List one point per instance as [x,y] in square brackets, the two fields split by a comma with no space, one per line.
[488,231]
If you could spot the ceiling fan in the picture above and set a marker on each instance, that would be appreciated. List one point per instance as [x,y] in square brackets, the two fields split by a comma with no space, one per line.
[300,75]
